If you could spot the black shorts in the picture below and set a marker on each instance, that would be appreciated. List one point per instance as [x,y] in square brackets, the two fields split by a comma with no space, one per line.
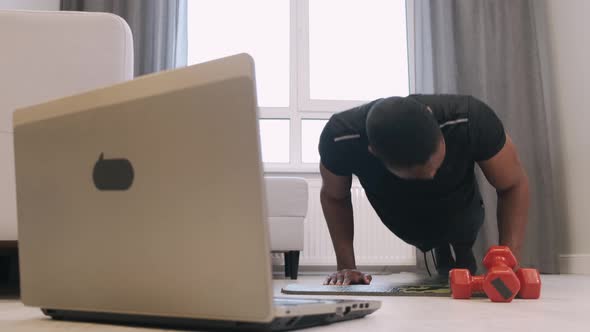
[465,225]
[460,228]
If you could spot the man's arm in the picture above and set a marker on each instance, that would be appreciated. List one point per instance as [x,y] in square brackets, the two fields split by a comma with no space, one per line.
[507,175]
[337,207]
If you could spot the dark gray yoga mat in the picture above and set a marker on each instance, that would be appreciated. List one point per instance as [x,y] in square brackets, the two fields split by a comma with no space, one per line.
[369,290]
[403,284]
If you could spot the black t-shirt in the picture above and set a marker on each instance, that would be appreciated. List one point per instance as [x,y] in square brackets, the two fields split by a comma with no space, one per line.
[415,209]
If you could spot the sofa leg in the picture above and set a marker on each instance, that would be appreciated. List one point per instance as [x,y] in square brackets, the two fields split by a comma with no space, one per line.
[9,274]
[287,263]
[294,264]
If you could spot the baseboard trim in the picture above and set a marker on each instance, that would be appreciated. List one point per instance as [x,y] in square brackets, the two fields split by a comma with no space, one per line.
[574,263]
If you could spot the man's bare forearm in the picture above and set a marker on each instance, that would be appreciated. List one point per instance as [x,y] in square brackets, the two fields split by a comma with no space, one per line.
[339,217]
[513,209]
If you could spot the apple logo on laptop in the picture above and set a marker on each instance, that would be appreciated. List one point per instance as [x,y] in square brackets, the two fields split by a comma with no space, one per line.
[112,174]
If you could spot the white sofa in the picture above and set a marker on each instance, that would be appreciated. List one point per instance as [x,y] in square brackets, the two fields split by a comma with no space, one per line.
[287,199]
[46,55]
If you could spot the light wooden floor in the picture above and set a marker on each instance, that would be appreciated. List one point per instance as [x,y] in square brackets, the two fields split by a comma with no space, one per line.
[564,306]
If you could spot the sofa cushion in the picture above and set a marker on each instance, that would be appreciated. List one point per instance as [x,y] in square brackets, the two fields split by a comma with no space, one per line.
[286,233]
[286,196]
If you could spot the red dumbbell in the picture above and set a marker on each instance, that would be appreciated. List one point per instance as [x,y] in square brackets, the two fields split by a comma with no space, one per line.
[500,284]
[530,283]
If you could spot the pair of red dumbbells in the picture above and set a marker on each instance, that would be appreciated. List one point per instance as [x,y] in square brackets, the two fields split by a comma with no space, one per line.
[501,283]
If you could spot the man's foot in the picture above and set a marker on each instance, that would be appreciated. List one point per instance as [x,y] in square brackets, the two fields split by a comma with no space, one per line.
[465,258]
[444,260]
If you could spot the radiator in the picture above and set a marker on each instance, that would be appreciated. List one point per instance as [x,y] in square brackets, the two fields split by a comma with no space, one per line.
[374,244]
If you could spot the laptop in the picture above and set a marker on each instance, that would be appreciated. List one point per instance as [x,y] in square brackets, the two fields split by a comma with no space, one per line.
[143,203]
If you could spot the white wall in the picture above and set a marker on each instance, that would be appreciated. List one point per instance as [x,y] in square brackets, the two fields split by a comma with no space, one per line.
[565,35]
[30,4]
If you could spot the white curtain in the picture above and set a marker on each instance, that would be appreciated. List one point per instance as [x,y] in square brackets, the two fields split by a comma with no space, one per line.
[489,49]
[159,29]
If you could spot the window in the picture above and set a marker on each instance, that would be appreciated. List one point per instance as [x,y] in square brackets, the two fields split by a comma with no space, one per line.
[274,137]
[313,58]
[218,28]
[310,136]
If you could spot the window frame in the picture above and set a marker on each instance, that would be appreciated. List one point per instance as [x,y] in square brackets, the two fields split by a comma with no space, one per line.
[301,106]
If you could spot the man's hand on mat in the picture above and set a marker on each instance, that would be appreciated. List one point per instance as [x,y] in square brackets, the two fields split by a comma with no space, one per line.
[348,277]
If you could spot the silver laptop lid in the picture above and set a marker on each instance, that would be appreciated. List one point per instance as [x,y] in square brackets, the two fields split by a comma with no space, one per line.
[147,197]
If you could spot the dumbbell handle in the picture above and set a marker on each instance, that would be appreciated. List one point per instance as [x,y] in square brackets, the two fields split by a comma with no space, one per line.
[477,284]
[463,285]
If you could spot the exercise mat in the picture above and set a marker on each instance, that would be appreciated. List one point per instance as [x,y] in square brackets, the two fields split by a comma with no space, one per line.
[403,284]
